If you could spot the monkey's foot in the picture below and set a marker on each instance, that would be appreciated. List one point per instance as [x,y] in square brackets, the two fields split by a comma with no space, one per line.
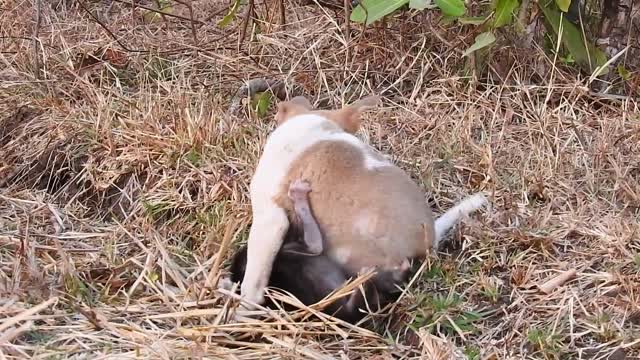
[225,283]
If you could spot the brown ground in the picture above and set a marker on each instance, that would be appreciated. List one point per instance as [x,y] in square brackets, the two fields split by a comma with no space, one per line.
[123,187]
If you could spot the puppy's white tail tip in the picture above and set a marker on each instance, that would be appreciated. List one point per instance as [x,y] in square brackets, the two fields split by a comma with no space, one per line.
[450,218]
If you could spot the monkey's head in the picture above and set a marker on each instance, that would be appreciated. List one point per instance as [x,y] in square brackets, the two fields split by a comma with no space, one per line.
[387,281]
[239,265]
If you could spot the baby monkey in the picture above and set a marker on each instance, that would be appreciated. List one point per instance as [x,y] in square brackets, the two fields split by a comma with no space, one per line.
[303,270]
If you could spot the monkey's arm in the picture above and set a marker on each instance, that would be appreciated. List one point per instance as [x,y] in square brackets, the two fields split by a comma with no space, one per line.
[299,194]
[377,292]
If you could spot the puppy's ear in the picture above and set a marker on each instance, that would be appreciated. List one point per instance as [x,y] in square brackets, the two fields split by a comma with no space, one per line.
[349,116]
[288,109]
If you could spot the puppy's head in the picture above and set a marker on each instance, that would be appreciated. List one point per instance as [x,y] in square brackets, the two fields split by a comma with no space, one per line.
[348,118]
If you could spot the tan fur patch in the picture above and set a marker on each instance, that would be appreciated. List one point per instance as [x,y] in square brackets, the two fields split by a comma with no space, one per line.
[400,223]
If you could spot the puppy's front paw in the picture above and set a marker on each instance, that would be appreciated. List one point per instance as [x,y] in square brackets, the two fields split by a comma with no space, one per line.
[252,296]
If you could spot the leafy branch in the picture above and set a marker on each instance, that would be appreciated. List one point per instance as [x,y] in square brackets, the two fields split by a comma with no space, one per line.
[500,14]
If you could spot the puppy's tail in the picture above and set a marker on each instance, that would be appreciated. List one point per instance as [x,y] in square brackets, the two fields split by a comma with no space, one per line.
[450,218]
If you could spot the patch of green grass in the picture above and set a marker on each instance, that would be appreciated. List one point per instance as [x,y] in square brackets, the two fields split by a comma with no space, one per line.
[159,68]
[156,210]
[213,215]
[472,352]
[76,287]
[194,157]
[545,341]
[37,337]
[434,272]
[606,331]
[636,261]
[491,290]
[445,313]
[441,272]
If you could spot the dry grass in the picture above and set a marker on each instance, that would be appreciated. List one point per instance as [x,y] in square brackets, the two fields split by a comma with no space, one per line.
[124,189]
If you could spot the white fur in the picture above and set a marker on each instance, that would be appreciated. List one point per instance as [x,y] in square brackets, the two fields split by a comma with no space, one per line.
[450,218]
[370,162]
[270,222]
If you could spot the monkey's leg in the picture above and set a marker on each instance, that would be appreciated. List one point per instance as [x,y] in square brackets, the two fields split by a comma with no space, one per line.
[350,307]
[299,194]
[378,292]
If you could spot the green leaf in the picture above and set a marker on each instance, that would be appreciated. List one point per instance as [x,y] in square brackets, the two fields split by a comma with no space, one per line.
[453,8]
[152,16]
[447,20]
[483,40]
[563,5]
[262,101]
[472,20]
[623,72]
[375,10]
[227,19]
[418,4]
[573,40]
[568,59]
[504,12]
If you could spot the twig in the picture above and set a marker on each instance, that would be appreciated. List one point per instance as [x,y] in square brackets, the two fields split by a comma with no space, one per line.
[13,333]
[214,273]
[347,31]
[191,19]
[557,281]
[10,37]
[163,13]
[283,15]
[26,315]
[245,22]
[214,14]
[111,34]
[36,40]
[613,96]
[524,9]
[164,18]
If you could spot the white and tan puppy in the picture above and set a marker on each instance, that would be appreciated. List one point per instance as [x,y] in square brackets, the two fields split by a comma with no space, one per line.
[370,212]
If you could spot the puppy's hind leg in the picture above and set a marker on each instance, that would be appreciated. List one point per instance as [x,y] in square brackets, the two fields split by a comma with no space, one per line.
[265,239]
[299,194]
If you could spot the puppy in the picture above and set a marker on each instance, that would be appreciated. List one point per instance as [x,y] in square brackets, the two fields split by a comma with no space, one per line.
[310,277]
[370,211]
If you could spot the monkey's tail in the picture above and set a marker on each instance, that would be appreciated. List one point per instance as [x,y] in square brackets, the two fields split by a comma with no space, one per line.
[450,218]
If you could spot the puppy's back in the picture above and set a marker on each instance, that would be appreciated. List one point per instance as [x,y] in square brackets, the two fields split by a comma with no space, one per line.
[370,211]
